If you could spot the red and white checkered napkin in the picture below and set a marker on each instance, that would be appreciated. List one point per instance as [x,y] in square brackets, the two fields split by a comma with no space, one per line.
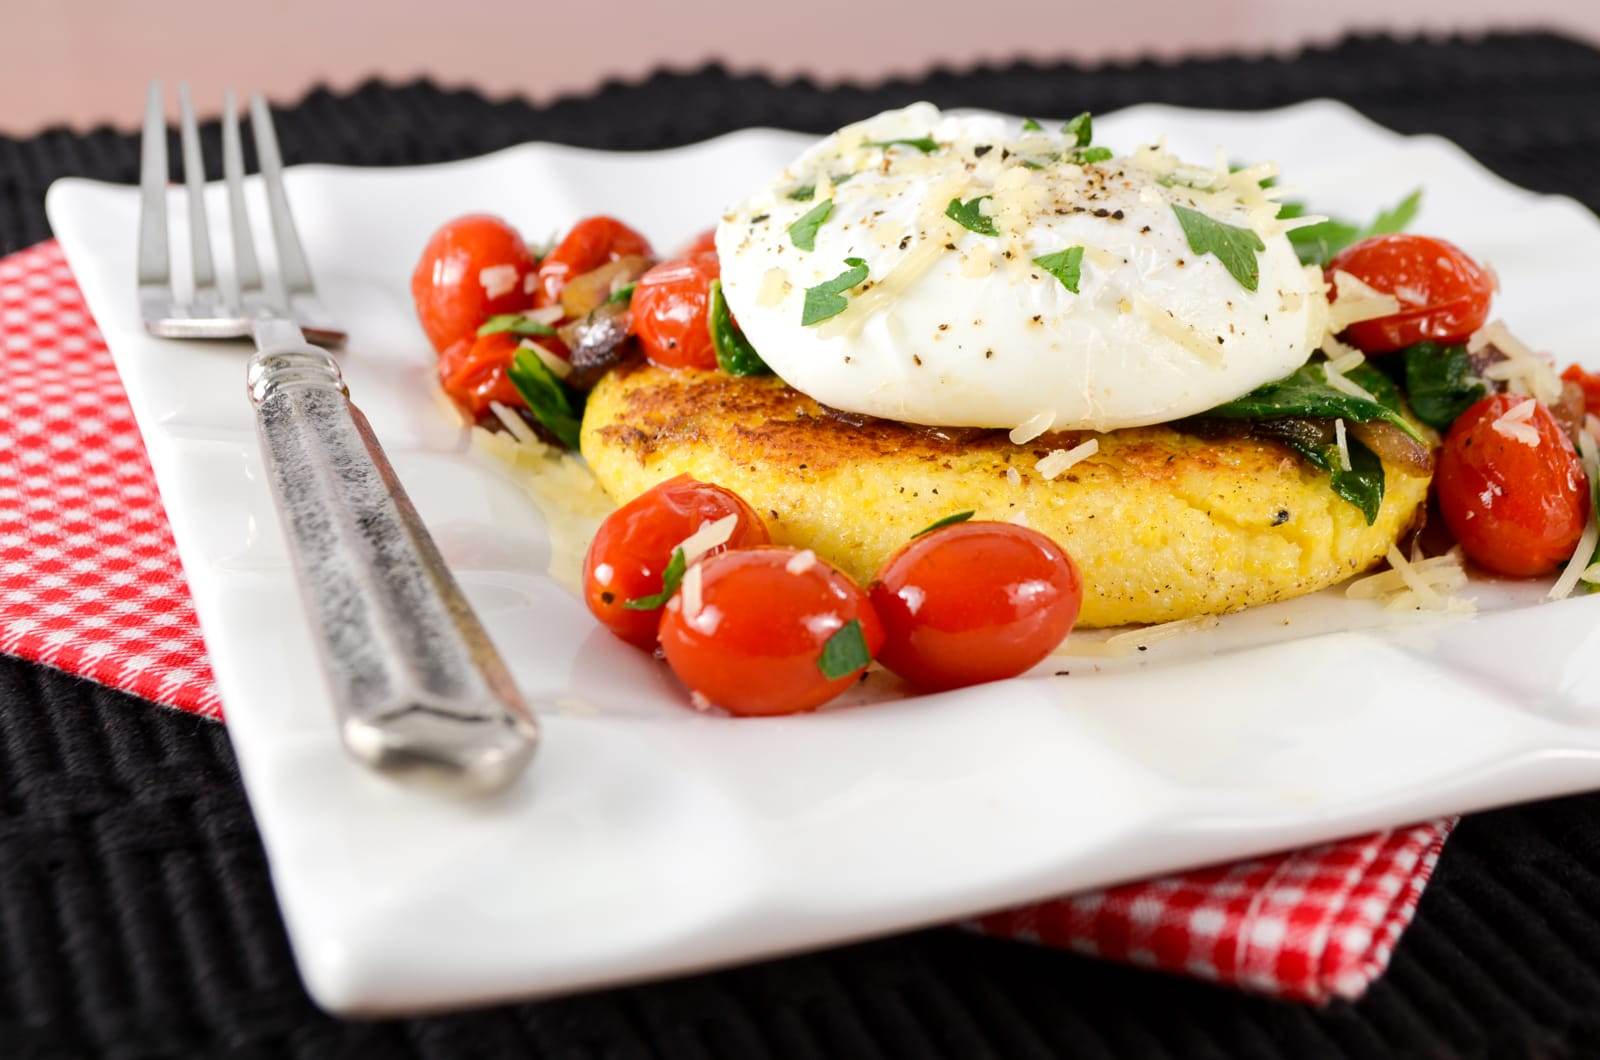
[90,583]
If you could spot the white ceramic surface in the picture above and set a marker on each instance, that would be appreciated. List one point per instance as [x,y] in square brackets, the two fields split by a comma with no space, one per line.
[649,839]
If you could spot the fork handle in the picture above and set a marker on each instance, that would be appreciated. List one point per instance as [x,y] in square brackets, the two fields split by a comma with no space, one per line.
[417,687]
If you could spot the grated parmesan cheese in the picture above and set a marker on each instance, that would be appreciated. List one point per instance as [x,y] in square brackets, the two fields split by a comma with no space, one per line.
[1343,441]
[801,562]
[1355,301]
[1513,423]
[558,367]
[514,423]
[1523,371]
[708,536]
[692,589]
[774,286]
[1417,585]
[1032,427]
[1163,323]
[1013,476]
[1337,380]
[1060,460]
[549,315]
[498,280]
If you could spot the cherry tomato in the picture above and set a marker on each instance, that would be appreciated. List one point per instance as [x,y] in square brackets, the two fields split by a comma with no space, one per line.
[1589,383]
[473,372]
[705,241]
[974,602]
[473,268]
[1516,509]
[591,243]
[629,555]
[1444,295]
[669,311]
[755,645]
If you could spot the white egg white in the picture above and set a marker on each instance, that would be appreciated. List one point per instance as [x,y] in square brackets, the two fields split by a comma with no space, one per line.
[957,328]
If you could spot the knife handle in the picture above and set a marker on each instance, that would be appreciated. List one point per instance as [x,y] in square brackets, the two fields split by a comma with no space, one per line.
[417,687]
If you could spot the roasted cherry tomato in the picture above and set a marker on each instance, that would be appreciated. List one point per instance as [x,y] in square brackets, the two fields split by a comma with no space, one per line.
[755,643]
[1516,508]
[974,602]
[472,268]
[629,555]
[1444,295]
[669,311]
[705,241]
[591,243]
[1589,383]
[473,372]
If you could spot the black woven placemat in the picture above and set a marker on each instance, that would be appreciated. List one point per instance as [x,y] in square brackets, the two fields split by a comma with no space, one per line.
[136,915]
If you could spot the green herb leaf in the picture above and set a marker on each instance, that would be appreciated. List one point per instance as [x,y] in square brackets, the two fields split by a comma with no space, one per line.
[1362,485]
[803,233]
[968,216]
[1441,383]
[845,652]
[1235,247]
[827,298]
[1029,125]
[1086,155]
[1318,244]
[547,397]
[926,144]
[671,578]
[735,355]
[949,520]
[622,294]
[1081,128]
[804,193]
[1064,265]
[516,324]
[1305,392]
[1377,384]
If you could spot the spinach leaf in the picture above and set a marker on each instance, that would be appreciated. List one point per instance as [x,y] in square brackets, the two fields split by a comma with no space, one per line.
[1317,244]
[547,397]
[735,355]
[1306,392]
[1376,383]
[1362,485]
[1441,383]
[845,652]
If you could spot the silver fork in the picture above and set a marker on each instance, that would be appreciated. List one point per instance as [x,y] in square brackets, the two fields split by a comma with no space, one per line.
[417,686]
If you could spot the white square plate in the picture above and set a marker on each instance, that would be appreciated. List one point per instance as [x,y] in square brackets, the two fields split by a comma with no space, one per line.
[649,839]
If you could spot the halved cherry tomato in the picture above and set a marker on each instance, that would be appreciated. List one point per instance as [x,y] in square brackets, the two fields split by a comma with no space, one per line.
[629,555]
[974,602]
[705,241]
[669,311]
[1444,295]
[591,243]
[1589,383]
[473,268]
[755,644]
[1516,509]
[473,372]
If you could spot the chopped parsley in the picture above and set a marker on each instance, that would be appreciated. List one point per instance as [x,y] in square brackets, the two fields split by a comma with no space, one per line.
[734,353]
[671,578]
[1029,125]
[1064,265]
[547,396]
[827,298]
[940,524]
[845,652]
[926,144]
[516,324]
[1086,155]
[1080,128]
[803,233]
[1235,247]
[807,192]
[622,294]
[969,216]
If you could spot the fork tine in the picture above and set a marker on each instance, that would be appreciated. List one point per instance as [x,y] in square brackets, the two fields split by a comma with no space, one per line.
[246,267]
[154,267]
[194,177]
[292,267]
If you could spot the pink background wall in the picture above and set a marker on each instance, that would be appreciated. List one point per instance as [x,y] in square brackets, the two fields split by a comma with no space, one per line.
[83,62]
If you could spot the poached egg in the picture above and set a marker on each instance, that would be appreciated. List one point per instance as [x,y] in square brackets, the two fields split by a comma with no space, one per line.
[958,323]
